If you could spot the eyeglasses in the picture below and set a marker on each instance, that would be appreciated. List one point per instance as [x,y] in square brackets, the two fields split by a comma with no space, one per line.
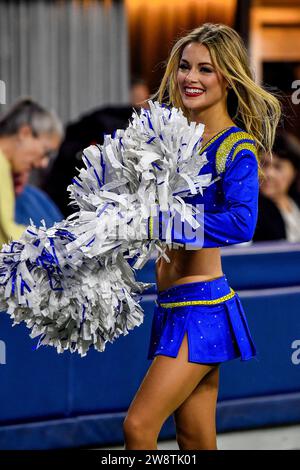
[50,154]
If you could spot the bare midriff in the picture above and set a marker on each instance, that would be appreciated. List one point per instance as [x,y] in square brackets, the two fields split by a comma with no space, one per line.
[188,266]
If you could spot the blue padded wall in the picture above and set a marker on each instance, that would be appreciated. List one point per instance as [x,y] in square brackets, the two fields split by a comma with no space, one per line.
[52,400]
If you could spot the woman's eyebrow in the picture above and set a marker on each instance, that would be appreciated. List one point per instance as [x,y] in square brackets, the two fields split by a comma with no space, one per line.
[200,63]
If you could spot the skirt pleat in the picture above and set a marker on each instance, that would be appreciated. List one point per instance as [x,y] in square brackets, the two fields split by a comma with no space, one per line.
[241,330]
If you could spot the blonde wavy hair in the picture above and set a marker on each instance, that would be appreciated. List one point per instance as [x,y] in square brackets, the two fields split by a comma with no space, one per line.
[250,106]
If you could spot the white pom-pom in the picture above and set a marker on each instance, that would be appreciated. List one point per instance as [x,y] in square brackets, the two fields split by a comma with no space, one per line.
[72,283]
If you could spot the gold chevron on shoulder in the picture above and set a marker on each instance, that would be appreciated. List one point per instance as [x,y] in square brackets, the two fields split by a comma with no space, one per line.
[226,147]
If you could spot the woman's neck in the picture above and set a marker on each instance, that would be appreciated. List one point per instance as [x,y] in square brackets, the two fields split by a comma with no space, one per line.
[283,201]
[215,119]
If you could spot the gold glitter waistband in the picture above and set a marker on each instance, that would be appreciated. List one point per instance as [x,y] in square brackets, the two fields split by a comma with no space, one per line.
[198,302]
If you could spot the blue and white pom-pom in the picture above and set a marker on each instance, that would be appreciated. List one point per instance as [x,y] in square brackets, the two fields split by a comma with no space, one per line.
[72,284]
[155,161]
[71,302]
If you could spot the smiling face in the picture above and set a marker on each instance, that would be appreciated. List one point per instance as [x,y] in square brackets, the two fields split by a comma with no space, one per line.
[279,176]
[201,86]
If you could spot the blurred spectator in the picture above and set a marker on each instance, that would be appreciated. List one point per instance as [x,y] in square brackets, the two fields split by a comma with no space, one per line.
[89,129]
[139,93]
[33,203]
[28,136]
[279,199]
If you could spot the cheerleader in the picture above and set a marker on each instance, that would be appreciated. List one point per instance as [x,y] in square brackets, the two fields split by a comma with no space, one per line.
[199,321]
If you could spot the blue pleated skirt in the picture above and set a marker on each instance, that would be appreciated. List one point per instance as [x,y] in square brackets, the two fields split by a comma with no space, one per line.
[217,329]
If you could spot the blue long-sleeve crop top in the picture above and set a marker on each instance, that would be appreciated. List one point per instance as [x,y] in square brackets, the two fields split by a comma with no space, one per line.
[230,204]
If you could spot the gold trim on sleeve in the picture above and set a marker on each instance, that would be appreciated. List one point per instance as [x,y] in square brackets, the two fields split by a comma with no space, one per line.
[226,147]
[151,227]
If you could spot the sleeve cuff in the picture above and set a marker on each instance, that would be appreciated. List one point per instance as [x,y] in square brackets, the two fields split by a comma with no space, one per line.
[153,228]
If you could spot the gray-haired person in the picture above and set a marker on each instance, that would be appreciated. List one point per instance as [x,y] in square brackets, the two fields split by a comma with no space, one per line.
[29,134]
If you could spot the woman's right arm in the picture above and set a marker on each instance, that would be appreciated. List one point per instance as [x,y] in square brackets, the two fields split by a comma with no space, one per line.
[234,225]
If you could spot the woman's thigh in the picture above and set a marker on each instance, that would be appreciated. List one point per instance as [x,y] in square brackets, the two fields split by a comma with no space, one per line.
[166,385]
